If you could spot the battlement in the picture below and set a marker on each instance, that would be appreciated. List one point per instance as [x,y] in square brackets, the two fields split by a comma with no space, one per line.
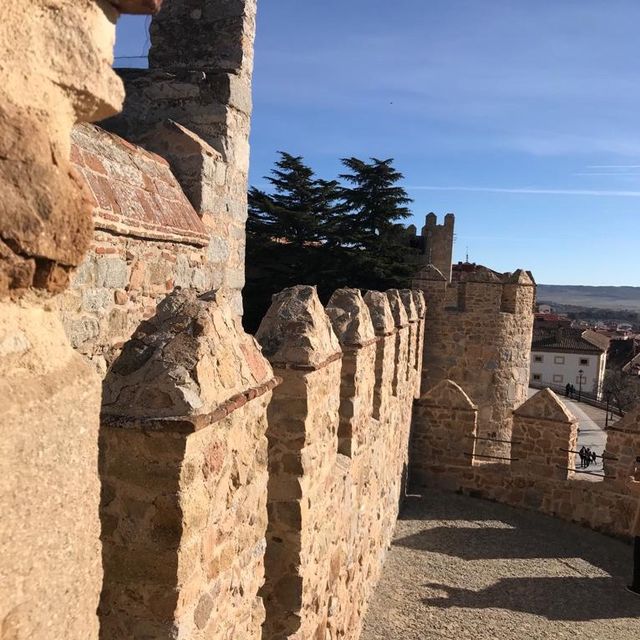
[539,473]
[245,435]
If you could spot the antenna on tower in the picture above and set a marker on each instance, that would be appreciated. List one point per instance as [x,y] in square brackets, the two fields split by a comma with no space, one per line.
[467,254]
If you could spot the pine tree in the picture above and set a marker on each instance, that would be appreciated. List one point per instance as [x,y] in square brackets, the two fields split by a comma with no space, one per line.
[287,233]
[375,201]
[374,205]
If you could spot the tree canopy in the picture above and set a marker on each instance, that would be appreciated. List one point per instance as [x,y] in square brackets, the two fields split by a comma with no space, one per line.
[330,233]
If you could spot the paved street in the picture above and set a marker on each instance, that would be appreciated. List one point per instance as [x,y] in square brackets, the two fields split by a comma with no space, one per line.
[466,569]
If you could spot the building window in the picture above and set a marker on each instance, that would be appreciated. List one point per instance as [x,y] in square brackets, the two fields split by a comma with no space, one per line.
[537,377]
[584,362]
[559,379]
[537,358]
[558,360]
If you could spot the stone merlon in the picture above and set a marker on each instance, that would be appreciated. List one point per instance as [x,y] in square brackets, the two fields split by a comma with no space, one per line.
[296,331]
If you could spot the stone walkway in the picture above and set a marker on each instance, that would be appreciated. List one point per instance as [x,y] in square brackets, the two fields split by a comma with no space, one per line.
[462,568]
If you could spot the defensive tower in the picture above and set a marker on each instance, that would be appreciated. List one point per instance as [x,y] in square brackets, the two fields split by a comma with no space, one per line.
[478,333]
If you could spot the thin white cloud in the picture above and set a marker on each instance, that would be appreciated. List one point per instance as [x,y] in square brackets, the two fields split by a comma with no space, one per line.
[532,191]
[614,166]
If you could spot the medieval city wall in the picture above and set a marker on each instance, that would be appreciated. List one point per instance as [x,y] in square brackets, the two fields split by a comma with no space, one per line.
[56,71]
[478,334]
[228,481]
[540,475]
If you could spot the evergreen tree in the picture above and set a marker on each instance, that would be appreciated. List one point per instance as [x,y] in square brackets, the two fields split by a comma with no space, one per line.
[374,205]
[375,202]
[287,232]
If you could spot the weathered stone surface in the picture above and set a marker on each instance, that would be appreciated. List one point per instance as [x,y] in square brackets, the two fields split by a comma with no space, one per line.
[398,309]
[406,295]
[50,570]
[420,302]
[338,436]
[189,358]
[623,450]
[448,394]
[297,331]
[545,404]
[380,312]
[216,34]
[478,334]
[184,517]
[350,317]
[56,69]
[544,435]
[137,6]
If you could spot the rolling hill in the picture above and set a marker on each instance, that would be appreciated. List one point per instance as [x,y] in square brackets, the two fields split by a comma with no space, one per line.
[594,297]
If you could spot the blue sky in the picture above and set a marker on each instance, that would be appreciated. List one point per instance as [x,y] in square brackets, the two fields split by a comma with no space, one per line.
[520,117]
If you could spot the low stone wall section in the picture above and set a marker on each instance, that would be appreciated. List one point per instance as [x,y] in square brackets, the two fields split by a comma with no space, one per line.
[184,477]
[335,471]
[540,476]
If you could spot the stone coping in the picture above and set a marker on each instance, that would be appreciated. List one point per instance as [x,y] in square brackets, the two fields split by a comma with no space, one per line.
[191,424]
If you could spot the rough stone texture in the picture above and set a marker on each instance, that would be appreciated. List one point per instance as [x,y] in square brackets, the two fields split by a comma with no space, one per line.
[336,466]
[479,335]
[443,430]
[148,241]
[438,242]
[622,454]
[352,325]
[50,570]
[421,309]
[296,331]
[462,568]
[544,435]
[384,327]
[137,7]
[184,472]
[56,69]
[201,64]
[55,65]
[538,481]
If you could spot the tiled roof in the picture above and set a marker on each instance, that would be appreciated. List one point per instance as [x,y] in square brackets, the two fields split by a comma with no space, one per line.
[566,339]
[133,190]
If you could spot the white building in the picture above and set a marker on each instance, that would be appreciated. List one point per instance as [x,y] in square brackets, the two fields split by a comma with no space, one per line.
[562,356]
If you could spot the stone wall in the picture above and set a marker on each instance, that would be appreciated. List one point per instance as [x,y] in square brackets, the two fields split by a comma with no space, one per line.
[184,477]
[55,64]
[438,242]
[540,475]
[335,471]
[478,334]
[148,240]
[193,106]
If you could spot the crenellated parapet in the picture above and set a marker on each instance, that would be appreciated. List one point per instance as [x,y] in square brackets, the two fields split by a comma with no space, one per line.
[478,327]
[540,472]
[184,475]
[337,452]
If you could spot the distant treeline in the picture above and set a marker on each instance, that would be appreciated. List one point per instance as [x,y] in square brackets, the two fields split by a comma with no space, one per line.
[330,233]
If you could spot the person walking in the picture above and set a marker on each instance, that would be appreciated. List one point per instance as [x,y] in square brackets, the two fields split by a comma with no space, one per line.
[587,456]
[567,389]
[582,453]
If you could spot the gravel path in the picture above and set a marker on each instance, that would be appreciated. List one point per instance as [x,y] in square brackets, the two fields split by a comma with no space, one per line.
[462,568]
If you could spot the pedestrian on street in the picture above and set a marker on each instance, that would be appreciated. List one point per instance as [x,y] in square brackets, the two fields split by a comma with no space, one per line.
[582,453]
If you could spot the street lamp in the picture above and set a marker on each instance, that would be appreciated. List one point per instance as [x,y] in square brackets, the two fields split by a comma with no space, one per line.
[580,372]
